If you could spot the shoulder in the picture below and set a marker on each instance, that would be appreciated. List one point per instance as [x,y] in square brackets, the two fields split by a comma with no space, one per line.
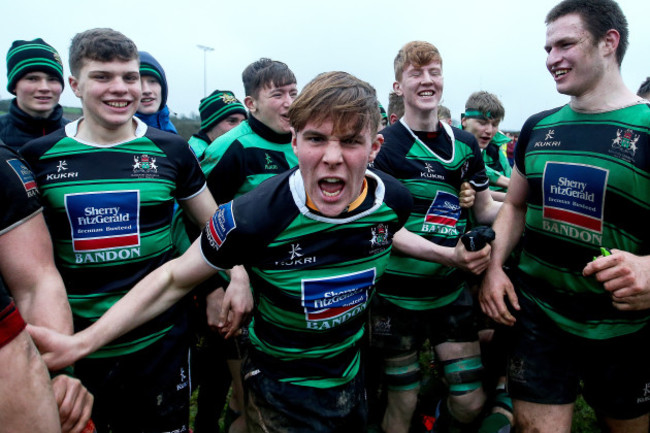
[396,194]
[463,136]
[395,134]
[225,141]
[37,147]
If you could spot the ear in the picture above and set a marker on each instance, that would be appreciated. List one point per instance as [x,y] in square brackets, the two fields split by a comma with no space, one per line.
[249,102]
[294,141]
[393,118]
[375,147]
[397,88]
[610,42]
[74,85]
[463,121]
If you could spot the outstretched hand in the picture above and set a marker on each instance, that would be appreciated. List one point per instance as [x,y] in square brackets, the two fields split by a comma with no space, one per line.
[58,350]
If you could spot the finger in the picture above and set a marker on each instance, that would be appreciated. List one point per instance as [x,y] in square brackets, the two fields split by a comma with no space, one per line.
[38,334]
[225,310]
[601,263]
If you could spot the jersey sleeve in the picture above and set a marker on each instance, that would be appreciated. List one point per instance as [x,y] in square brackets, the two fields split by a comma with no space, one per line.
[224,242]
[476,174]
[190,180]
[397,197]
[19,195]
[228,174]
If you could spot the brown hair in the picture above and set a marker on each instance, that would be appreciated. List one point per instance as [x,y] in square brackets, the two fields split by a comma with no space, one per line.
[486,102]
[417,53]
[350,103]
[101,44]
[598,17]
[264,73]
[395,105]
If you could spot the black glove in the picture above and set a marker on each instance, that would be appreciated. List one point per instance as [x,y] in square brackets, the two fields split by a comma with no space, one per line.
[477,238]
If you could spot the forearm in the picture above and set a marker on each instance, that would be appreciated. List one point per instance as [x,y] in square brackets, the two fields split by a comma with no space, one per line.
[498,196]
[502,181]
[416,246]
[154,294]
[45,303]
[508,228]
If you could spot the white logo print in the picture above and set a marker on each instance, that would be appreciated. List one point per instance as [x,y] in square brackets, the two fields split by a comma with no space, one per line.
[295,251]
[62,166]
[550,134]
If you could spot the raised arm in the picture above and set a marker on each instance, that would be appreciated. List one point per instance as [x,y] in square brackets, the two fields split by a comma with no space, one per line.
[151,296]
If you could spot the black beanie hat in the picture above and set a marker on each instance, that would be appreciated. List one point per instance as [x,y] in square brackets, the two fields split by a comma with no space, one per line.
[32,56]
[216,107]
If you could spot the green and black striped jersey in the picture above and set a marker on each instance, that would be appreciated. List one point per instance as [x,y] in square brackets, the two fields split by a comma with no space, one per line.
[589,187]
[433,172]
[312,275]
[244,157]
[109,211]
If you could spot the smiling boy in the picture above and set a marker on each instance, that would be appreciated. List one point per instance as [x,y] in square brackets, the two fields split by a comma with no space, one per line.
[579,301]
[153,109]
[416,299]
[35,76]
[108,185]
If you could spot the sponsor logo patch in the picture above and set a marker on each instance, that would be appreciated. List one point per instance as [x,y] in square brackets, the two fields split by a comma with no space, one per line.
[221,223]
[444,210]
[575,194]
[104,220]
[329,298]
[24,174]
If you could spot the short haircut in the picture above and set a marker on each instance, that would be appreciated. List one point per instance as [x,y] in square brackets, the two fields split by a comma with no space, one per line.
[102,45]
[350,103]
[487,104]
[644,89]
[395,105]
[443,112]
[416,53]
[598,17]
[264,73]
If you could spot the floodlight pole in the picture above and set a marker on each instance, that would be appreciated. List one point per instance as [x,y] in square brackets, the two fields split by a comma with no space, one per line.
[205,68]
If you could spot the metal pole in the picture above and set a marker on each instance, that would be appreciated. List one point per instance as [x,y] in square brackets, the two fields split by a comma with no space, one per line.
[205,67]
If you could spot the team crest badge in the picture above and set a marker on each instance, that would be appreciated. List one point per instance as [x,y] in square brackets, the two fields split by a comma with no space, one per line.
[144,163]
[379,236]
[626,141]
[228,99]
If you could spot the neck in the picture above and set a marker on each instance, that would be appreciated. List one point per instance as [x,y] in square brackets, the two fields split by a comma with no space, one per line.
[609,94]
[422,120]
[91,132]
[35,114]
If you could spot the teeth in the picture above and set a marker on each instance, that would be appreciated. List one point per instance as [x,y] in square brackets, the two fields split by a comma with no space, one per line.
[429,93]
[117,104]
[560,72]
[330,194]
[330,180]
